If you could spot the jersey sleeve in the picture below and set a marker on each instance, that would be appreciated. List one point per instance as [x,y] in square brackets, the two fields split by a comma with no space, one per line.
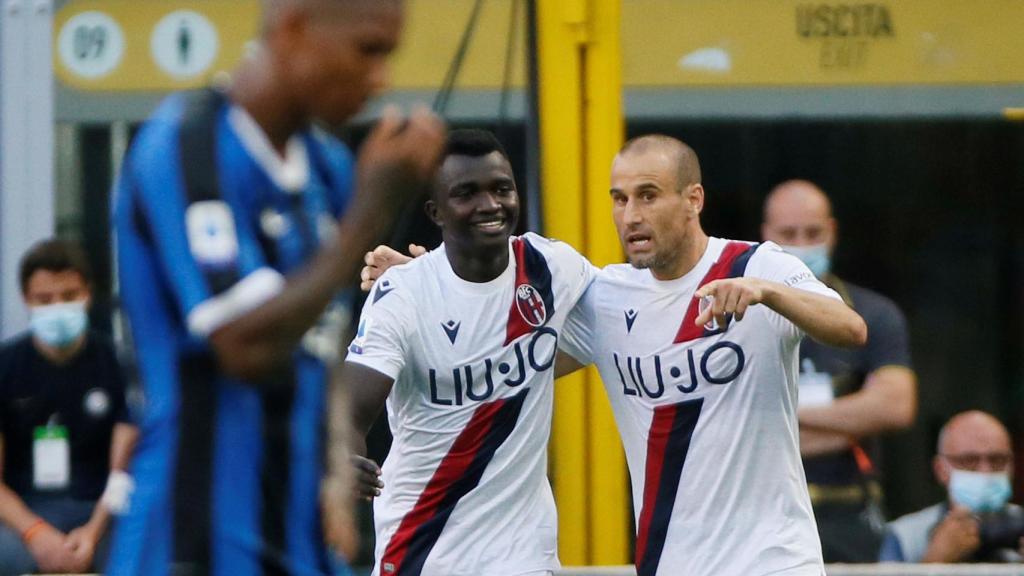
[888,339]
[775,265]
[191,247]
[385,327]
[578,335]
[575,271]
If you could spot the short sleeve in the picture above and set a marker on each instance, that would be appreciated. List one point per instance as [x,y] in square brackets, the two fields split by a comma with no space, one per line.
[385,327]
[773,264]
[578,334]
[576,272]
[195,247]
[888,340]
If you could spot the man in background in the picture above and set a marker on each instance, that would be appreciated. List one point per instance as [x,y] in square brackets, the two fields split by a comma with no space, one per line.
[847,396]
[976,523]
[238,224]
[65,431]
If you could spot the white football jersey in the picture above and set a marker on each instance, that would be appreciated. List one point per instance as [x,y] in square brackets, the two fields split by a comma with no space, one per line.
[465,484]
[707,416]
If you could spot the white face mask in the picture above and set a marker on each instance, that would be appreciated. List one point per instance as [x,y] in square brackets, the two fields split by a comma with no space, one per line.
[980,491]
[815,257]
[59,325]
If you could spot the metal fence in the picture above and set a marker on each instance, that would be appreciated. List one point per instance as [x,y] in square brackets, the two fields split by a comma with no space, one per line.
[850,570]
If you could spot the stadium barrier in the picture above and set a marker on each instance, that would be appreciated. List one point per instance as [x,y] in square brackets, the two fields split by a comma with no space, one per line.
[889,569]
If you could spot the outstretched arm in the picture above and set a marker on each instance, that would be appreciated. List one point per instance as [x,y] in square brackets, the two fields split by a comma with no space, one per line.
[827,320]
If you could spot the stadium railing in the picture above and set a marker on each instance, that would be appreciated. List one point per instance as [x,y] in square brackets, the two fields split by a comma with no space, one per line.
[850,570]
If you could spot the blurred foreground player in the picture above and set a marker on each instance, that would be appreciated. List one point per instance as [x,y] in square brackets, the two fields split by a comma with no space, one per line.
[697,340]
[461,344]
[237,226]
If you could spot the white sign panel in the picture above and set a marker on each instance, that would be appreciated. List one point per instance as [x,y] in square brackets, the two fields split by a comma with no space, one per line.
[91,45]
[184,44]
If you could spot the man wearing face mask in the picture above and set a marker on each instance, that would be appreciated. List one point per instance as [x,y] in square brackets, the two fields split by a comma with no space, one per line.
[66,433]
[976,523]
[847,396]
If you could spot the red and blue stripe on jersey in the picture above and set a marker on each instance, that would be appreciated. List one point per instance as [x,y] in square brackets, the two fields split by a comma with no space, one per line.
[458,474]
[532,307]
[731,263]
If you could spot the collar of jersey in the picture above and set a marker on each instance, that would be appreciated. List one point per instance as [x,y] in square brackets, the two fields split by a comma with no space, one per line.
[696,274]
[290,173]
[451,279]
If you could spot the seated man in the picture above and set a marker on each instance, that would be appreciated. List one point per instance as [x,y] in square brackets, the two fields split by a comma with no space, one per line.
[64,426]
[976,523]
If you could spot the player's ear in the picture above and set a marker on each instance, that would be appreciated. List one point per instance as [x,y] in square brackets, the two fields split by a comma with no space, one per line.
[430,207]
[695,194]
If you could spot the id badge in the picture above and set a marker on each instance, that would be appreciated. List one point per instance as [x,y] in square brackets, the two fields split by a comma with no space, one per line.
[815,387]
[51,458]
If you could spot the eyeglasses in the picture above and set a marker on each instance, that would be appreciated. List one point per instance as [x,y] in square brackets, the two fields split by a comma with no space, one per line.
[972,460]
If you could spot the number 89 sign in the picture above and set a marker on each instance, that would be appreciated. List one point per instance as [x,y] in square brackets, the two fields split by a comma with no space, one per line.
[91,45]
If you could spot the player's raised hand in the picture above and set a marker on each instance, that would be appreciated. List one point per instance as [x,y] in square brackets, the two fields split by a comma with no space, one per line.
[380,259]
[398,158]
[728,297]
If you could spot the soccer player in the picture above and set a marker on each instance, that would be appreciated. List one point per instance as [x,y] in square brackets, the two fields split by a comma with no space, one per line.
[697,341]
[461,345]
[237,226]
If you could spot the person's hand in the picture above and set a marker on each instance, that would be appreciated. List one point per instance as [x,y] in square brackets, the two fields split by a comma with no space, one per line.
[380,259]
[368,482]
[81,542]
[397,160]
[47,546]
[955,538]
[729,297]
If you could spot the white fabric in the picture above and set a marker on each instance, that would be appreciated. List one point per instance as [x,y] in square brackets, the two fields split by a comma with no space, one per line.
[742,505]
[117,495]
[507,524]
[290,173]
[247,295]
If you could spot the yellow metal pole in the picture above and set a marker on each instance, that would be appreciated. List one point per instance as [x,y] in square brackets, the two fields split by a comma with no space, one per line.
[579,75]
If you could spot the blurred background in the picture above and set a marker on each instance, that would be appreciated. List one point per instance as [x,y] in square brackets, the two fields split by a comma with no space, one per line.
[908,113]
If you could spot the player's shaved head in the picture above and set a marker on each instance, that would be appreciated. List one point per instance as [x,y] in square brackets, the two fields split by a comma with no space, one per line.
[683,157]
[274,9]
[796,195]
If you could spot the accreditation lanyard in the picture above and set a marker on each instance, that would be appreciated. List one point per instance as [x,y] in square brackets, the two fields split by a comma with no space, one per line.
[51,456]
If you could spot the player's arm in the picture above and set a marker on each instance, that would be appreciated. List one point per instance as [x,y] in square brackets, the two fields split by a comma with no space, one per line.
[814,442]
[393,163]
[565,364]
[827,320]
[366,391]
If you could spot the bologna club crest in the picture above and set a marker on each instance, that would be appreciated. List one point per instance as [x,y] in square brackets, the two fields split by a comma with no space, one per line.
[531,305]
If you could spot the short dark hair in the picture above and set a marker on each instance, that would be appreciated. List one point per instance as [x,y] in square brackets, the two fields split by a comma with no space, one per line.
[53,255]
[472,142]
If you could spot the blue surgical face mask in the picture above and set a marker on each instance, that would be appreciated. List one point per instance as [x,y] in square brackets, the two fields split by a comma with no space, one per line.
[980,491]
[59,325]
[815,257]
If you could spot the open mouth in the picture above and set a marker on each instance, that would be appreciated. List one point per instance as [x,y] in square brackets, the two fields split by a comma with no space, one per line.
[638,241]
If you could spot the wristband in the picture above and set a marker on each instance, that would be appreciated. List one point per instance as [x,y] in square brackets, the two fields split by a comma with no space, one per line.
[120,486]
[32,530]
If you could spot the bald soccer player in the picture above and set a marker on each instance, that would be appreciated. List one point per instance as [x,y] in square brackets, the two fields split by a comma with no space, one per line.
[976,523]
[847,396]
[238,224]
